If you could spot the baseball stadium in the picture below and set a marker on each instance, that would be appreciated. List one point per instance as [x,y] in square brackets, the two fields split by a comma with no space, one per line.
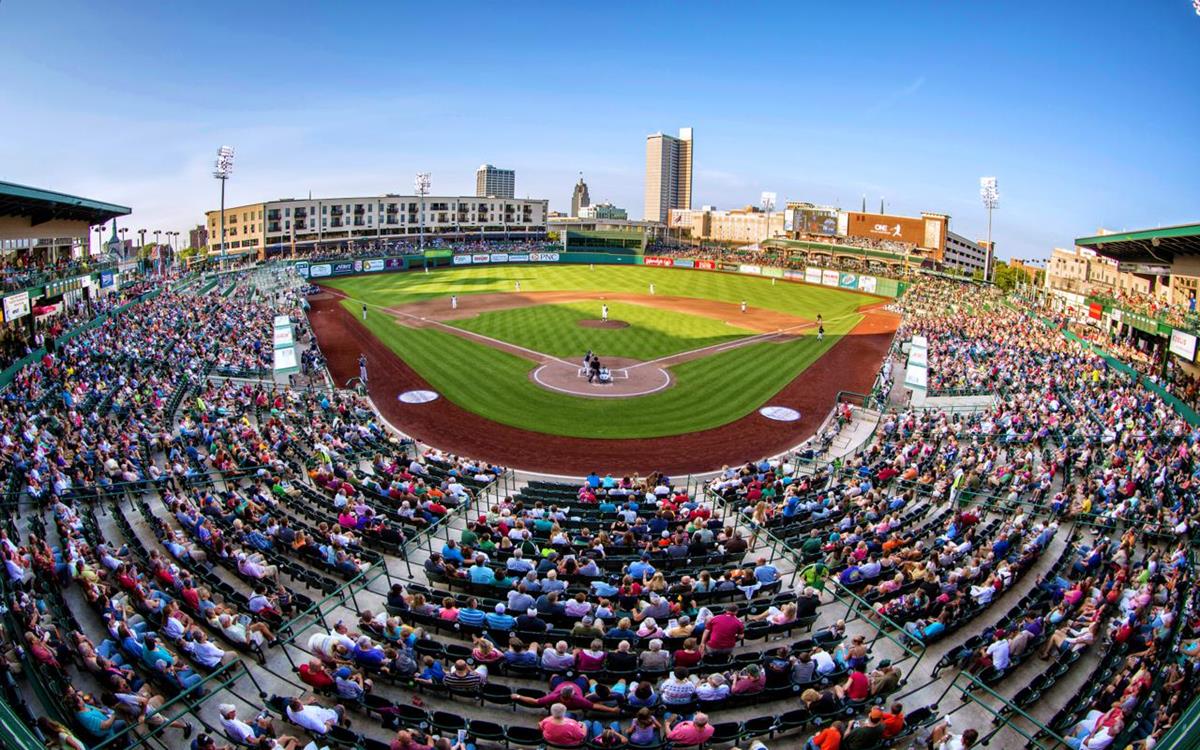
[779,432]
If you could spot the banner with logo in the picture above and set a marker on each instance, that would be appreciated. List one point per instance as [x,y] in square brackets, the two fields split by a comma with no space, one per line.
[373,266]
[481,257]
[829,278]
[392,264]
[543,257]
[794,274]
[772,271]
[16,306]
[867,283]
[343,268]
[658,261]
[706,265]
[462,260]
[1183,345]
[812,275]
[318,270]
[746,268]
[685,263]
[106,279]
[847,281]
[728,267]
[302,268]
[499,257]
[518,258]
[1095,310]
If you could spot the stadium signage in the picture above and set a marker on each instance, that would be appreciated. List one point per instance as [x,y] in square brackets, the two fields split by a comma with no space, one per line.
[481,258]
[749,269]
[847,281]
[657,261]
[1183,345]
[499,257]
[706,265]
[318,270]
[343,268]
[829,278]
[106,279]
[868,283]
[728,266]
[393,263]
[812,275]
[685,263]
[519,258]
[16,306]
[302,268]
[373,266]
[1147,269]
[462,260]
[543,257]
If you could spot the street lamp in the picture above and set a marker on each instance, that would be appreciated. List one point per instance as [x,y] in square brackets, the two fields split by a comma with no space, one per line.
[222,171]
[991,199]
[141,241]
[122,232]
[422,184]
[99,239]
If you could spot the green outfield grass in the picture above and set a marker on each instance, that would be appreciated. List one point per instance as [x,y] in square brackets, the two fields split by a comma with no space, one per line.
[554,329]
[708,392]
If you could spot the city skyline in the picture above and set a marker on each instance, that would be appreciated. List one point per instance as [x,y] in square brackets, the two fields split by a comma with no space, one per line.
[822,117]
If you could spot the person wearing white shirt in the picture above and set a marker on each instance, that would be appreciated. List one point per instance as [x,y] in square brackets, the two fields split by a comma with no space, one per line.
[315,718]
[999,652]
[203,651]
[236,729]
[825,663]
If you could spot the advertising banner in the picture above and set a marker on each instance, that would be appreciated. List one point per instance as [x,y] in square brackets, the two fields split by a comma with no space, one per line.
[772,271]
[373,266]
[829,278]
[847,281]
[106,279]
[282,321]
[885,227]
[318,270]
[284,337]
[794,274]
[518,258]
[1095,310]
[867,283]
[499,257]
[657,261]
[728,266]
[706,265]
[16,306]
[302,268]
[812,275]
[462,260]
[393,263]
[481,258]
[1183,345]
[685,263]
[746,268]
[543,257]
[343,268]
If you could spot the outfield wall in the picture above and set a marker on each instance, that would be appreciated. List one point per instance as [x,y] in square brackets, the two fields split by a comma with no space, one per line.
[853,282]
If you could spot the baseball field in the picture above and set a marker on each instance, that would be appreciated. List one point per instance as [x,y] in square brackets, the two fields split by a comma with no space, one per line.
[503,347]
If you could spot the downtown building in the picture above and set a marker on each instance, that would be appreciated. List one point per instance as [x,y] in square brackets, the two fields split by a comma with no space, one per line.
[668,174]
[275,227]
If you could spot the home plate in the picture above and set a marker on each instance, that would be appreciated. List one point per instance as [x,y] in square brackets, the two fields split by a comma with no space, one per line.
[418,397]
[779,413]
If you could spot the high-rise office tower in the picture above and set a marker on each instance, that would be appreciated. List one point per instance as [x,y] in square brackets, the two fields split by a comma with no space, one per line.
[491,182]
[579,196]
[668,174]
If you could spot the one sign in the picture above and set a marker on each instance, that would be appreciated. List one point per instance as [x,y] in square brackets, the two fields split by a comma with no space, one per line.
[106,279]
[302,268]
[462,260]
[499,257]
[867,283]
[1183,345]
[829,278]
[706,265]
[16,306]
[656,261]
[1095,310]
[318,270]
[284,337]
[480,258]
[371,266]
[812,275]
[543,257]
[746,268]
[281,321]
[518,258]
[285,360]
[1146,269]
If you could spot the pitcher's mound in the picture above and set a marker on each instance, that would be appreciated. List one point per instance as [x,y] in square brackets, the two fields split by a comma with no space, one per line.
[595,323]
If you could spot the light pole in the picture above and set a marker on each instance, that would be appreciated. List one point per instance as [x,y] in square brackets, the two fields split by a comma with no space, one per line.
[122,232]
[99,239]
[422,184]
[222,171]
[991,199]
[141,242]
[768,204]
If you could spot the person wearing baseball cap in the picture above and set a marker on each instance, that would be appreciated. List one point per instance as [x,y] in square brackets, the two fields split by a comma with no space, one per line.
[866,734]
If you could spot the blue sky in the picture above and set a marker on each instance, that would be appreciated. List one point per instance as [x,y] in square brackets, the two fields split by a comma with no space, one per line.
[1087,112]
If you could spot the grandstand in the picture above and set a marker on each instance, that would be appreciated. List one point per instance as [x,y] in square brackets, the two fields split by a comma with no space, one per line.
[198,547]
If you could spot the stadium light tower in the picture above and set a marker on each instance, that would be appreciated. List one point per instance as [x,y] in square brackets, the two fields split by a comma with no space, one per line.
[991,199]
[422,184]
[768,205]
[222,171]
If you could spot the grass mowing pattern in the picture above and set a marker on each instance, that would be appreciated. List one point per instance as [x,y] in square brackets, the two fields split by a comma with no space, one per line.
[555,330]
[709,392]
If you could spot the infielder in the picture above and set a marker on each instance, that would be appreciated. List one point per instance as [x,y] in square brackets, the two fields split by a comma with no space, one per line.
[364,311]
[453,301]
[743,306]
[604,313]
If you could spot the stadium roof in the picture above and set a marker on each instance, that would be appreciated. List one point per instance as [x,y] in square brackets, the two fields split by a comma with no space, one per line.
[46,205]
[1147,245]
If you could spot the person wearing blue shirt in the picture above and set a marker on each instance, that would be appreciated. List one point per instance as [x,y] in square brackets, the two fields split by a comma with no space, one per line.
[499,619]
[593,480]
[471,614]
[451,553]
[765,573]
[481,573]
[603,589]
[640,569]
[609,482]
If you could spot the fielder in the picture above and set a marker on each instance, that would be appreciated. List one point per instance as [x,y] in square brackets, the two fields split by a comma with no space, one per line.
[604,313]
[518,286]
[364,311]
[453,301]
[651,289]
[743,306]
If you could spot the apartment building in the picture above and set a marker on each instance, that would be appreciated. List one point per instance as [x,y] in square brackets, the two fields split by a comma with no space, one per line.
[492,182]
[668,174]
